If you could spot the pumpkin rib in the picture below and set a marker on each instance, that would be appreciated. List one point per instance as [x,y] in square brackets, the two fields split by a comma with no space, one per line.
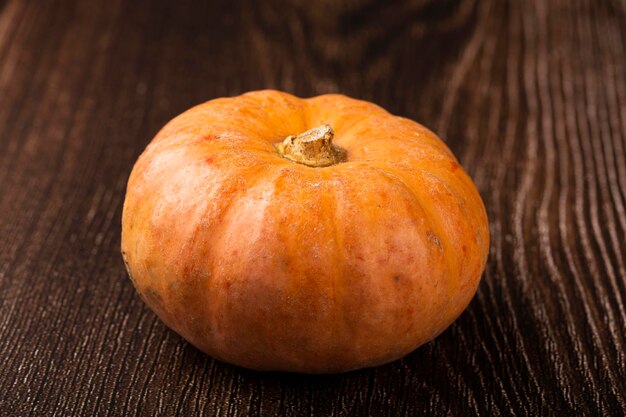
[314,284]
[462,187]
[214,117]
[406,161]
[272,173]
[444,166]
[218,133]
[331,195]
[341,124]
[426,134]
[424,243]
[279,111]
[347,133]
[383,128]
[214,147]
[402,151]
[286,179]
[453,272]
[471,222]
[227,186]
[192,119]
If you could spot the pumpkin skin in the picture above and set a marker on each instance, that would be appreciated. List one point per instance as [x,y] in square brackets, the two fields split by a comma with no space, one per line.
[273,265]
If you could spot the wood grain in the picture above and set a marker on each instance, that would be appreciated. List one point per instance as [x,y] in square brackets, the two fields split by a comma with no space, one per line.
[530,95]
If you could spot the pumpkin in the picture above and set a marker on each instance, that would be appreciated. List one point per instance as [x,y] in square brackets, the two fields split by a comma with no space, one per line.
[314,235]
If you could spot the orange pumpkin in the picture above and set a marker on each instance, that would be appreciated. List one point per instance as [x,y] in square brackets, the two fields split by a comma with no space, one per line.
[346,246]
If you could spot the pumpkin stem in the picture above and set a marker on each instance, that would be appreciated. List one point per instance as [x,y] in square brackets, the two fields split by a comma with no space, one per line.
[313,148]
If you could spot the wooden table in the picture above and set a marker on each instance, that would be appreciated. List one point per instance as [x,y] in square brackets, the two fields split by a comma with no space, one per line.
[530,95]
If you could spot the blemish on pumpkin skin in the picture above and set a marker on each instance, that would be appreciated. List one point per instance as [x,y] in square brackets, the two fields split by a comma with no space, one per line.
[454,166]
[435,239]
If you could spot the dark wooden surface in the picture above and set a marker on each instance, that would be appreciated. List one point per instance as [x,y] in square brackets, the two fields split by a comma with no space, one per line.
[530,95]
